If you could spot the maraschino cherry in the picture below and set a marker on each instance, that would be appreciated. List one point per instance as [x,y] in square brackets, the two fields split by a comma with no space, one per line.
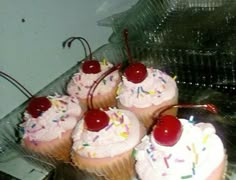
[37,105]
[136,72]
[89,66]
[167,130]
[96,119]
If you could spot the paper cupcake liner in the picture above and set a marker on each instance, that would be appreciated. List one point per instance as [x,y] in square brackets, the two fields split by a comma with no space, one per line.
[115,168]
[120,167]
[58,149]
[104,100]
[145,115]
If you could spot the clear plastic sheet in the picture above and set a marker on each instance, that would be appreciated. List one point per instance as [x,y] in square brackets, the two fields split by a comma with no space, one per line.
[210,81]
[179,24]
[108,8]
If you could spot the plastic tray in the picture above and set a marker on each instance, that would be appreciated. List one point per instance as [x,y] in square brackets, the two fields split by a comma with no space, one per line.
[179,24]
[202,77]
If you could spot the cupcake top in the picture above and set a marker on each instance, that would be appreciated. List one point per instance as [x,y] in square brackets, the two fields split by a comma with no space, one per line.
[153,90]
[121,134]
[196,154]
[61,115]
[81,82]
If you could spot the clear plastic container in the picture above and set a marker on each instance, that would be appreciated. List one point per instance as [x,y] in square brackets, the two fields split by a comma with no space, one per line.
[179,24]
[202,77]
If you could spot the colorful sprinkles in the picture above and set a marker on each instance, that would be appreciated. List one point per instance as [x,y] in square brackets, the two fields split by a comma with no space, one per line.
[169,160]
[142,90]
[109,126]
[193,169]
[134,152]
[162,79]
[139,91]
[205,138]
[166,162]
[186,177]
[104,61]
[85,144]
[191,119]
[118,126]
[95,138]
[175,77]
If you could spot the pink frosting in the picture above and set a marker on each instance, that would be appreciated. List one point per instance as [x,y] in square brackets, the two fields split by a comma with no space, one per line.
[60,117]
[81,82]
[157,88]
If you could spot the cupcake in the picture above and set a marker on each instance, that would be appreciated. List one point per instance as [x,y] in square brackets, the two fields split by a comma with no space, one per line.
[103,143]
[103,140]
[144,91]
[89,71]
[181,149]
[48,124]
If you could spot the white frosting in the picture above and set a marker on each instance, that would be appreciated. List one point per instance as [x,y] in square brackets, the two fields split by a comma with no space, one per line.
[81,82]
[120,135]
[155,89]
[198,152]
[60,117]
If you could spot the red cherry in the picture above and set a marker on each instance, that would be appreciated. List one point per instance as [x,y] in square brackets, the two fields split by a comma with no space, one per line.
[136,72]
[38,105]
[96,120]
[91,67]
[167,131]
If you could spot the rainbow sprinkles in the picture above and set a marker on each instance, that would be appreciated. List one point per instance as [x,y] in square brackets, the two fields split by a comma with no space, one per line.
[186,159]
[121,131]
[155,88]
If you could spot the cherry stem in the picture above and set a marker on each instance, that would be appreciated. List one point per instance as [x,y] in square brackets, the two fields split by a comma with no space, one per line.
[16,84]
[209,107]
[96,83]
[125,34]
[82,40]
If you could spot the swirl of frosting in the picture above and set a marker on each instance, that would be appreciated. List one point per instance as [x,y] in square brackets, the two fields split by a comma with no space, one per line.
[198,152]
[156,88]
[81,82]
[60,117]
[120,135]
